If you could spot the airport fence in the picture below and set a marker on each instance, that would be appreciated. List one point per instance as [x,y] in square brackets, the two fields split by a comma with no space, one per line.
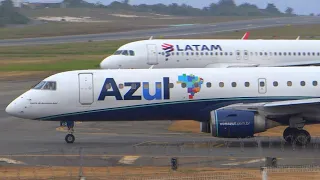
[261,159]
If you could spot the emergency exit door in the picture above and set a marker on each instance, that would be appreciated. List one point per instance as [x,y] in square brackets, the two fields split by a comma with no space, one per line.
[262,83]
[86,88]
[152,54]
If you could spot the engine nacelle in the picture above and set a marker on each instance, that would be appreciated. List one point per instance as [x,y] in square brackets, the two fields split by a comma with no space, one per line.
[238,123]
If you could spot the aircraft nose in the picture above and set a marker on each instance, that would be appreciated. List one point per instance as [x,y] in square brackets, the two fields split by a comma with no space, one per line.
[11,109]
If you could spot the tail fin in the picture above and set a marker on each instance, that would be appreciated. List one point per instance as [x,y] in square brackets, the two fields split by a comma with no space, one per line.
[245,36]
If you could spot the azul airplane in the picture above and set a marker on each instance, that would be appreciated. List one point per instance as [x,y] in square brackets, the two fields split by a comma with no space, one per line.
[235,102]
[197,53]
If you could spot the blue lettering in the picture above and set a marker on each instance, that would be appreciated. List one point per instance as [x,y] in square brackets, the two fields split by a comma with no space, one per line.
[146,91]
[213,47]
[104,91]
[205,48]
[197,49]
[178,48]
[110,83]
[134,87]
[188,47]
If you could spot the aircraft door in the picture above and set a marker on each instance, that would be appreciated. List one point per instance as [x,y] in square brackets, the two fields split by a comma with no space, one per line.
[152,54]
[86,88]
[245,55]
[238,55]
[262,85]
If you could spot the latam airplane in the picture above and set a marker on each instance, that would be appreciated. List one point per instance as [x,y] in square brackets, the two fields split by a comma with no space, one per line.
[234,102]
[223,53]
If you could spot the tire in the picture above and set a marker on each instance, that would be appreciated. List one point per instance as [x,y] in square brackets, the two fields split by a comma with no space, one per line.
[70,138]
[302,137]
[288,134]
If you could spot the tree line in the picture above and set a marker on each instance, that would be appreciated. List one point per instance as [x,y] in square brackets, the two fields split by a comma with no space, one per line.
[10,15]
[222,8]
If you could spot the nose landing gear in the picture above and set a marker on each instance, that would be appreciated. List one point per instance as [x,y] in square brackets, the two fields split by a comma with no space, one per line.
[70,137]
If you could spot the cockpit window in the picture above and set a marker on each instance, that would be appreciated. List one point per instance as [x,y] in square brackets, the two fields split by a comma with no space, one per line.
[117,52]
[39,85]
[50,85]
[124,52]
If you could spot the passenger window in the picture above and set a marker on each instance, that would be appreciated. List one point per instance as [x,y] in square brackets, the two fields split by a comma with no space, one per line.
[182,54]
[158,85]
[133,86]
[39,85]
[251,53]
[315,83]
[285,54]
[313,54]
[261,53]
[171,85]
[162,53]
[234,84]
[256,53]
[197,53]
[318,54]
[208,84]
[177,53]
[266,54]
[192,54]
[262,84]
[299,54]
[289,53]
[294,53]
[183,85]
[289,83]
[50,85]
[302,83]
[270,53]
[125,52]
[121,86]
[246,53]
[172,53]
[207,54]
[187,53]
[196,84]
[275,83]
[221,84]
[108,86]
[217,54]
[145,85]
[131,53]
[201,53]
[308,54]
[304,53]
[280,53]
[238,53]
[275,53]
[211,53]
[226,53]
[231,53]
[246,84]
[221,54]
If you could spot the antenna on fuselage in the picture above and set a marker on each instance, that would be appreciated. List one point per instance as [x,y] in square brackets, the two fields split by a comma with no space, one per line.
[298,38]
[151,67]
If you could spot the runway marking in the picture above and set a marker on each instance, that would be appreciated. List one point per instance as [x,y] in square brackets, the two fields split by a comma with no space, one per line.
[244,162]
[145,142]
[218,145]
[128,159]
[11,161]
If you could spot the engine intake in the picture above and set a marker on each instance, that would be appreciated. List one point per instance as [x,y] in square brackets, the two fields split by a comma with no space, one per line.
[239,123]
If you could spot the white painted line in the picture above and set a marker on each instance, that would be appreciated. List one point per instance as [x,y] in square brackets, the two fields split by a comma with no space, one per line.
[128,159]
[244,162]
[11,161]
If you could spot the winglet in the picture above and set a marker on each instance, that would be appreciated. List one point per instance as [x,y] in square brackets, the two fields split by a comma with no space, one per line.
[298,38]
[245,36]
[151,38]
[151,67]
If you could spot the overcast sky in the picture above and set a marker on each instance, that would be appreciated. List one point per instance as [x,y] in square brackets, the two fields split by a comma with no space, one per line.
[300,6]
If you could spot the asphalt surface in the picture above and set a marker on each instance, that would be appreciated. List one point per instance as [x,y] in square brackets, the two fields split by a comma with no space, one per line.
[176,31]
[30,143]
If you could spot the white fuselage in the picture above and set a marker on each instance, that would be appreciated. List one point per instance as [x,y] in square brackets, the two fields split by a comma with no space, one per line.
[197,53]
[160,94]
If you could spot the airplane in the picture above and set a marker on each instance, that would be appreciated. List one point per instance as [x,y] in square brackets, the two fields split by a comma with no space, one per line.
[232,102]
[222,53]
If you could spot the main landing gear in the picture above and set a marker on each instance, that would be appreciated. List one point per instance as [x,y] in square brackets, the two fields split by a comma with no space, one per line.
[70,137]
[296,136]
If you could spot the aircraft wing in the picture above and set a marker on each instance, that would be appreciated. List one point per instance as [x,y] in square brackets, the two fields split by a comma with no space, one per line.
[302,106]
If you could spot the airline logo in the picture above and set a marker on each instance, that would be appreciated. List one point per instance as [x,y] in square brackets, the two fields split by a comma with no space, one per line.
[168,48]
[192,82]
[110,88]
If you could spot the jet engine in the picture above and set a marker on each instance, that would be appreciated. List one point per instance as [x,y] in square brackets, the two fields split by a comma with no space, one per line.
[239,123]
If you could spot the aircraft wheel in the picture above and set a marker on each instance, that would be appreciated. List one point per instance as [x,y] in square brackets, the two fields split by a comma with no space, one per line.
[288,134]
[302,137]
[70,138]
